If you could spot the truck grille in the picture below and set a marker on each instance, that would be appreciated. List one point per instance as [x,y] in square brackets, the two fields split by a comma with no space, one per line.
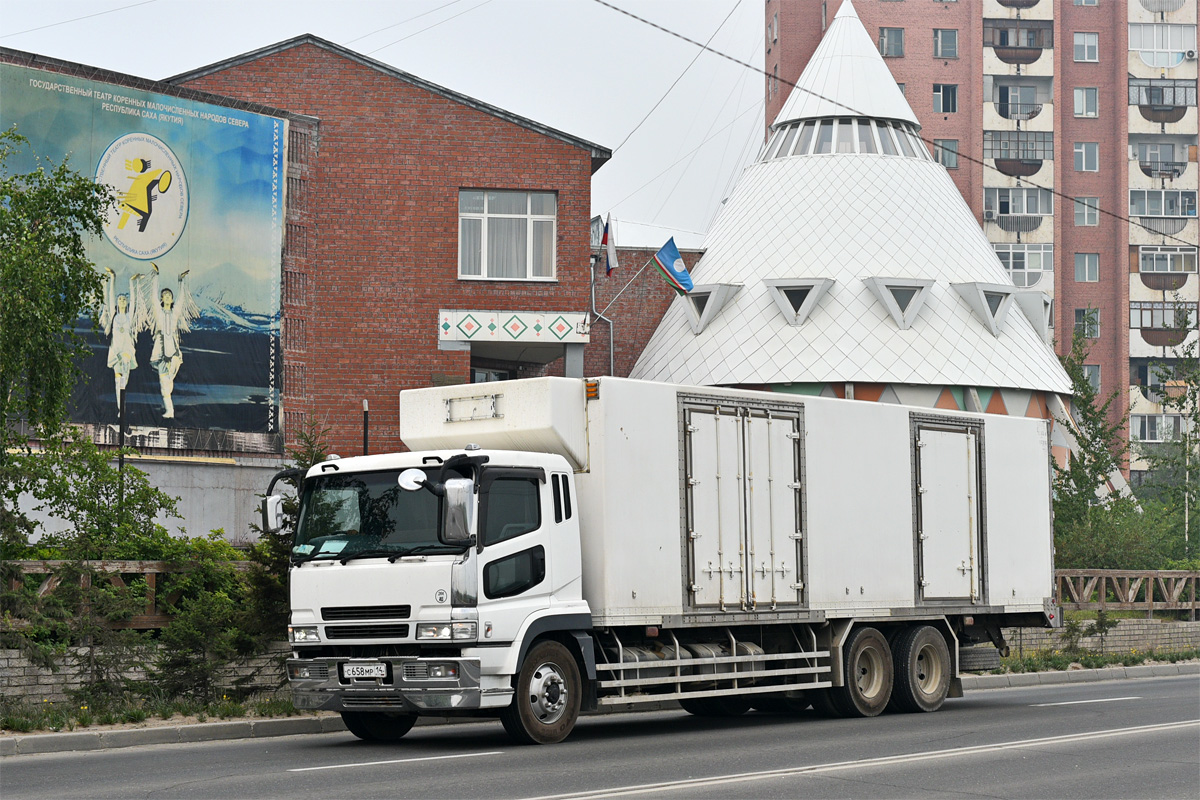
[365,612]
[416,672]
[372,702]
[366,632]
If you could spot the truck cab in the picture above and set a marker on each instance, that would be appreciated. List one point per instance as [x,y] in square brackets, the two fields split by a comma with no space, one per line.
[418,578]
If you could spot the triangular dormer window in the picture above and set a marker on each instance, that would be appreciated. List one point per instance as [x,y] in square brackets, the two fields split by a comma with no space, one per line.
[902,297]
[704,303]
[797,297]
[989,301]
[1038,309]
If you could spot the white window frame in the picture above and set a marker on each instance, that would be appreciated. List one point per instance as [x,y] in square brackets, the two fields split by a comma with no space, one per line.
[1089,208]
[1088,44]
[1016,260]
[945,152]
[886,35]
[530,219]
[1185,203]
[1087,156]
[1019,200]
[1092,3]
[940,45]
[1151,427]
[1087,322]
[1092,373]
[1168,259]
[945,94]
[1161,314]
[1086,96]
[1087,267]
[1168,42]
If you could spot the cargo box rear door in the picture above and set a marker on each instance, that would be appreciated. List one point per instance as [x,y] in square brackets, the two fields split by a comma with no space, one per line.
[948,536]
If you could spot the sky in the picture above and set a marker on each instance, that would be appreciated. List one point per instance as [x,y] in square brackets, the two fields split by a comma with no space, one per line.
[576,65]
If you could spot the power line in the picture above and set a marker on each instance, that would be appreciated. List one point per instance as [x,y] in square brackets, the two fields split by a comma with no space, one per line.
[856,112]
[76,19]
[402,22]
[430,27]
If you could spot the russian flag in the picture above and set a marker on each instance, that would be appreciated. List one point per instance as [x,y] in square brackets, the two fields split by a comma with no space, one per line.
[671,267]
[610,248]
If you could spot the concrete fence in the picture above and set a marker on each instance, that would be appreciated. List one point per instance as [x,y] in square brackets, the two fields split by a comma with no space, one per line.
[1129,634]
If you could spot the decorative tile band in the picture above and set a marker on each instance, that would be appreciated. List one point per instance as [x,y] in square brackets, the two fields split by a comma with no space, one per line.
[552,327]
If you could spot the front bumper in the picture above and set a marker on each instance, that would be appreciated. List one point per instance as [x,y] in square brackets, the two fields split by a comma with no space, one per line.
[406,687]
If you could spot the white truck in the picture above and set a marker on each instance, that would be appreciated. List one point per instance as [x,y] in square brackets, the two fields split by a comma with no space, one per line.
[556,545]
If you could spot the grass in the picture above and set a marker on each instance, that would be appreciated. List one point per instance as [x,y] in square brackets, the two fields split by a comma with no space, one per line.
[22,716]
[1048,660]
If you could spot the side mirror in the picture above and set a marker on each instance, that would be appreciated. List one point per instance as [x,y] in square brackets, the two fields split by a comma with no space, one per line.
[460,512]
[272,513]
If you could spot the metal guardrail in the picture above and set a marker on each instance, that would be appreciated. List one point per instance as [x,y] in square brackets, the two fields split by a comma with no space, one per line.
[117,573]
[1127,590]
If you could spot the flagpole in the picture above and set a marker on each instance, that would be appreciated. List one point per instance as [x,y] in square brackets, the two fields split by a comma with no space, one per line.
[626,286]
[600,315]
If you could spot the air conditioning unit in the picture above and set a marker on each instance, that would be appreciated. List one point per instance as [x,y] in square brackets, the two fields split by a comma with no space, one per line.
[989,215]
[1190,55]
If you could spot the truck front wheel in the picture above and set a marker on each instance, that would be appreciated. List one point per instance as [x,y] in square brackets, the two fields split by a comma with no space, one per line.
[378,726]
[922,670]
[867,675]
[546,702]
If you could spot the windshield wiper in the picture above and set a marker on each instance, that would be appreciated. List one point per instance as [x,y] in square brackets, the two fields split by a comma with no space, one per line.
[377,552]
[421,548]
[300,559]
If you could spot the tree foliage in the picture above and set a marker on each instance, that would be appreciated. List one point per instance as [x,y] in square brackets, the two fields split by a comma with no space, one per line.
[46,284]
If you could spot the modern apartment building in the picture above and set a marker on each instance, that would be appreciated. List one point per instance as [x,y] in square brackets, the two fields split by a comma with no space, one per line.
[1070,126]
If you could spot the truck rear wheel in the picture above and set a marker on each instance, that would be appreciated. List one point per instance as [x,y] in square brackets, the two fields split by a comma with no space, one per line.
[867,675]
[378,726]
[922,670]
[546,702]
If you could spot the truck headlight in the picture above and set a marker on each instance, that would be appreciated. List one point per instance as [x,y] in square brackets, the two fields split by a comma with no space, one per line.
[434,630]
[463,630]
[303,634]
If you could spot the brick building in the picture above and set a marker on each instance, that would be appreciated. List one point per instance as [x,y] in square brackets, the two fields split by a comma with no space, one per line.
[431,239]
[1094,100]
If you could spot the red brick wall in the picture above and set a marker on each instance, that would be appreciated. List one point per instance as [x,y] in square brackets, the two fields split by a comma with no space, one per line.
[380,211]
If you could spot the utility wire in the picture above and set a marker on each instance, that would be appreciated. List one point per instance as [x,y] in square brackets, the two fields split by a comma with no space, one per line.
[402,22]
[430,27]
[703,48]
[76,19]
[856,112]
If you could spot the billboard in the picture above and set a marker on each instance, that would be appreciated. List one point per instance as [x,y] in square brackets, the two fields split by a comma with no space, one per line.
[189,321]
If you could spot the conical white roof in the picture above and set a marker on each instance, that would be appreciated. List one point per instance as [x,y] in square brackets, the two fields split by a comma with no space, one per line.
[852,224]
[846,76]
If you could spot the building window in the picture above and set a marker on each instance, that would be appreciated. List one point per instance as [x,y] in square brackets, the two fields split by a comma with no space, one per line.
[945,98]
[1087,47]
[506,235]
[1161,315]
[1162,91]
[1164,258]
[1155,427]
[903,89]
[1087,2]
[1023,201]
[1087,323]
[1087,267]
[1037,33]
[1161,44]
[1026,145]
[1026,263]
[945,152]
[945,43]
[775,28]
[1087,157]
[891,42]
[1087,211]
[1092,373]
[1161,203]
[1087,102]
[824,16]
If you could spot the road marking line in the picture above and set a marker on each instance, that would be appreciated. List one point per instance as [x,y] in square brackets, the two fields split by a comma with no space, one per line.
[741,777]
[397,761]
[1081,702]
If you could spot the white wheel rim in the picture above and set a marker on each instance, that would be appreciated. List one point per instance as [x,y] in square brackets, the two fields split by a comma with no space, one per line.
[547,694]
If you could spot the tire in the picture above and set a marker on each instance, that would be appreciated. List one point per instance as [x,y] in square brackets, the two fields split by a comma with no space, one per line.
[781,704]
[923,670]
[822,702]
[867,675]
[546,702]
[980,658]
[723,706]
[378,726]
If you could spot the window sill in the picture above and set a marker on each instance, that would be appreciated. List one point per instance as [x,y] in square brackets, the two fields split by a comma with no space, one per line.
[506,280]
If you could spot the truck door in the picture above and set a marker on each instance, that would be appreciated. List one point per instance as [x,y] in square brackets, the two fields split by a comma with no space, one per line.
[949,542]
[515,562]
[743,506]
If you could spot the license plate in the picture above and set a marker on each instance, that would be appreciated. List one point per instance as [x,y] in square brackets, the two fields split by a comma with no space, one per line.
[370,670]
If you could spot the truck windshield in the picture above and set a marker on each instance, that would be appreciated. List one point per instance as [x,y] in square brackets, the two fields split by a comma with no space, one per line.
[341,515]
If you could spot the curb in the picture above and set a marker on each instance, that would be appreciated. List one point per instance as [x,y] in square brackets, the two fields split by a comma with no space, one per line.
[29,744]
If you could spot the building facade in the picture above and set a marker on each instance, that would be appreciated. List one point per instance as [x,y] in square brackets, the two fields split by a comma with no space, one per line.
[1070,127]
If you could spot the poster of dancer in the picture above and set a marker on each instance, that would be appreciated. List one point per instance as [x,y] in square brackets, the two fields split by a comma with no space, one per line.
[188,324]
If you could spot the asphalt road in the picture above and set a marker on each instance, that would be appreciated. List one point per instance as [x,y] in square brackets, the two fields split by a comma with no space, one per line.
[1088,740]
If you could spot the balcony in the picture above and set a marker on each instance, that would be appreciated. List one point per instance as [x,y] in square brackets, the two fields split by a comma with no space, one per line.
[1015,223]
[1017,56]
[1018,167]
[1020,112]
[1169,170]
[1159,6]
[1019,4]
[1164,281]
[1162,113]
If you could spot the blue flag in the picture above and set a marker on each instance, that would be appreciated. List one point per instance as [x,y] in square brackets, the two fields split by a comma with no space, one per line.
[671,267]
